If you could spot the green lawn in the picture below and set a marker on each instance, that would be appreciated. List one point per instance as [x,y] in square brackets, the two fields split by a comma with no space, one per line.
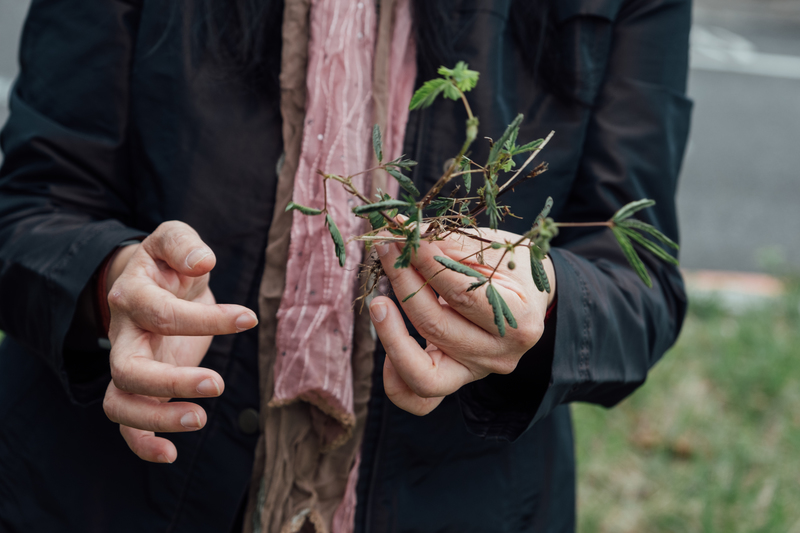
[712,442]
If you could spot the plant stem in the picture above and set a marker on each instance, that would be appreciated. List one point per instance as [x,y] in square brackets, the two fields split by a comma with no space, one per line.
[527,162]
[608,224]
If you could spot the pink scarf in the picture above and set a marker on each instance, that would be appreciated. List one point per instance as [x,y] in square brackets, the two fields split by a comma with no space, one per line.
[315,319]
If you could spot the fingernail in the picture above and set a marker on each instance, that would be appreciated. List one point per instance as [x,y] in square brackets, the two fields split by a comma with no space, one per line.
[190,420]
[209,387]
[381,248]
[378,311]
[195,256]
[246,321]
[163,459]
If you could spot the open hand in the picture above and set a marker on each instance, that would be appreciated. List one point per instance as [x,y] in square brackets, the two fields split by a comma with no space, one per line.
[463,341]
[163,317]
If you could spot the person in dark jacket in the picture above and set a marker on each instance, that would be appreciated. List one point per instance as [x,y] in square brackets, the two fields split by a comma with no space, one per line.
[118,129]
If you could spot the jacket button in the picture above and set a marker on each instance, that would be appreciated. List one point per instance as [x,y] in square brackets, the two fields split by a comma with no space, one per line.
[248,421]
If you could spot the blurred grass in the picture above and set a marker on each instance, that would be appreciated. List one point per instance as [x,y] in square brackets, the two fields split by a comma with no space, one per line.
[711,443]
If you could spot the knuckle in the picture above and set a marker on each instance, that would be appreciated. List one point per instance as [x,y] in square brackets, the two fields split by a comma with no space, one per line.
[460,299]
[120,373]
[157,422]
[433,327]
[117,298]
[162,317]
[109,408]
[504,365]
[530,335]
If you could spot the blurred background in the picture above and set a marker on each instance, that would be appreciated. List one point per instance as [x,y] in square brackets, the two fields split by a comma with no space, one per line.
[712,443]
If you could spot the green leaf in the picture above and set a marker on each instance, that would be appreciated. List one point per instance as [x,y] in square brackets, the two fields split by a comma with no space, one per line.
[632,208]
[498,146]
[511,143]
[468,182]
[379,206]
[303,209]
[404,259]
[405,181]
[530,147]
[650,246]
[501,311]
[491,207]
[548,205]
[538,272]
[461,268]
[338,242]
[477,285]
[426,95]
[630,255]
[647,228]
[441,206]
[465,79]
[509,316]
[377,144]
[450,91]
[376,220]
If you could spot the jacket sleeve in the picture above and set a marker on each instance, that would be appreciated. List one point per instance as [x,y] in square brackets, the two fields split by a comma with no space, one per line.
[609,328]
[64,188]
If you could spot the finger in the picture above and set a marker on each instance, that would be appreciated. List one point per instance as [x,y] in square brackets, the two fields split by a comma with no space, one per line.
[134,370]
[427,374]
[439,325]
[159,311]
[401,394]
[151,414]
[453,286]
[180,246]
[149,447]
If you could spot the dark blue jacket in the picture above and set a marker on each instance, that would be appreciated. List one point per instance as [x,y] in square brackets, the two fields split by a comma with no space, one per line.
[114,129]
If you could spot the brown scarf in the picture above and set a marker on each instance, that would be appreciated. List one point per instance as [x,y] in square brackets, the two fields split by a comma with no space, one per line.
[302,474]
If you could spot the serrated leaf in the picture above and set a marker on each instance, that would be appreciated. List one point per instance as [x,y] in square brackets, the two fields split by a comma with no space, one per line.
[538,272]
[509,316]
[468,182]
[530,147]
[497,309]
[632,257]
[548,205]
[404,181]
[491,207]
[461,268]
[440,206]
[477,285]
[338,242]
[404,259]
[498,146]
[629,209]
[377,143]
[426,95]
[376,220]
[501,311]
[511,143]
[450,91]
[379,206]
[303,209]
[465,79]
[650,246]
[647,228]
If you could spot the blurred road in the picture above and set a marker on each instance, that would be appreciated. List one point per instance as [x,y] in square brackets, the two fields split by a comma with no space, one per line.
[739,197]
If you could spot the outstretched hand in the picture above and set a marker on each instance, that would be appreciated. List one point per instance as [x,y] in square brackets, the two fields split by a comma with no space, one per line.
[163,317]
[463,341]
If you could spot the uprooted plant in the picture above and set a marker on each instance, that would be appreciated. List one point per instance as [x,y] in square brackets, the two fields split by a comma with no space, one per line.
[442,216]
